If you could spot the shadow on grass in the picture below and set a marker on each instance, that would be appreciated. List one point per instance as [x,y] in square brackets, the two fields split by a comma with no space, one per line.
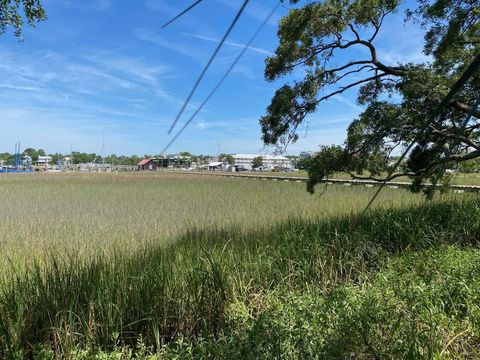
[184,289]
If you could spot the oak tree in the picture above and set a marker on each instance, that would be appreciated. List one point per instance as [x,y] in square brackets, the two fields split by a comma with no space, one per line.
[398,98]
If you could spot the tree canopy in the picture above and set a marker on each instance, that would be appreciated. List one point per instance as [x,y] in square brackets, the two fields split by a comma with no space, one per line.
[13,14]
[257,162]
[313,35]
[227,158]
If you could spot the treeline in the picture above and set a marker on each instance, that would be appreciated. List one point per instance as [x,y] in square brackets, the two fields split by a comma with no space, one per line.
[77,157]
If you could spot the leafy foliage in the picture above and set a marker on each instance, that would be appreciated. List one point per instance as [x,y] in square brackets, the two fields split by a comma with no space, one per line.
[421,306]
[311,36]
[257,162]
[13,13]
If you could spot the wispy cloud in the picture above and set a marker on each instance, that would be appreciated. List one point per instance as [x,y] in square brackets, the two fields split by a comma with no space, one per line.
[132,67]
[351,104]
[230,43]
[191,20]
[407,48]
[154,38]
[254,10]
[88,86]
[162,6]
[86,5]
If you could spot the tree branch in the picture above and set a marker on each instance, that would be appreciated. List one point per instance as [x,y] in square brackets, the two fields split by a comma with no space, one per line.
[373,178]
[392,70]
[354,71]
[457,105]
[454,158]
[354,31]
[344,88]
[463,139]
[352,63]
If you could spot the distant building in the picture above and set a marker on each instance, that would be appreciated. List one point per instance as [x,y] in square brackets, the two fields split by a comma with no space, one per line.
[148,164]
[91,166]
[269,161]
[26,160]
[43,161]
[65,162]
[215,166]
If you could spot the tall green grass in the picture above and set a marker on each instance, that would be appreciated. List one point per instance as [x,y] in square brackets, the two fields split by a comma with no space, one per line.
[183,284]
[93,213]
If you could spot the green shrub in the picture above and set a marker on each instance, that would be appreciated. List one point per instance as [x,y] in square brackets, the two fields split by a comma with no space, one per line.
[422,305]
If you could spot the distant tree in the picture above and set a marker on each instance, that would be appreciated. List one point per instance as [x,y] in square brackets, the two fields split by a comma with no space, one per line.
[201,159]
[229,159]
[5,156]
[133,160]
[257,162]
[112,159]
[56,157]
[80,158]
[13,13]
[41,152]
[184,153]
[334,45]
[32,153]
[469,166]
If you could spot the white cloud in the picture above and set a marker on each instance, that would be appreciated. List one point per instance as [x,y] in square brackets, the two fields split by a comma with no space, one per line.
[230,43]
[202,125]
[132,67]
[162,6]
[407,47]
[85,5]
[255,10]
[154,38]
[351,104]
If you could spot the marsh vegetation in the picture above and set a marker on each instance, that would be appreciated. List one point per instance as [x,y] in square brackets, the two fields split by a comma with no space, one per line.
[182,266]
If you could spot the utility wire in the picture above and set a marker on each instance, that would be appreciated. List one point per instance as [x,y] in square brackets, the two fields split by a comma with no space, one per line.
[474,66]
[221,80]
[182,13]
[232,25]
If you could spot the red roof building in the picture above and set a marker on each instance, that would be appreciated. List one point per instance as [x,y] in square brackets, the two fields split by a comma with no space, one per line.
[147,164]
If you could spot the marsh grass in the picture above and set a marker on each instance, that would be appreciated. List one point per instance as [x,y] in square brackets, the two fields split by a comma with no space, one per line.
[111,260]
[93,213]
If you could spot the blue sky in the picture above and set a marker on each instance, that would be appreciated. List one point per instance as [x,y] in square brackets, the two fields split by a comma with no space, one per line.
[106,68]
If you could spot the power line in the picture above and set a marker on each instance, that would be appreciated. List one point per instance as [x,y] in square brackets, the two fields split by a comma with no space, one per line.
[232,25]
[455,88]
[182,13]
[214,90]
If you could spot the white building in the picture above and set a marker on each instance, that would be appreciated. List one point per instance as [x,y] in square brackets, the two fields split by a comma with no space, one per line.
[43,161]
[269,161]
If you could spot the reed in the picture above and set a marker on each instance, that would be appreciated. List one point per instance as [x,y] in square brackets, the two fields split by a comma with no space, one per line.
[102,261]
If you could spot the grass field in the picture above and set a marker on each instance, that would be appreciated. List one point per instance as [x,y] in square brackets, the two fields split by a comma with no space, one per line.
[184,266]
[103,211]
[455,178]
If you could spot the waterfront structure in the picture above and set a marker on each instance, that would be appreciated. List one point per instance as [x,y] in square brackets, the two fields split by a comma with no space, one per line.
[270,162]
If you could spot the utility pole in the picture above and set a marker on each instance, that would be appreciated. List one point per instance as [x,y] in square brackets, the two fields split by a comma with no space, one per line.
[103,149]
[218,143]
[71,157]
